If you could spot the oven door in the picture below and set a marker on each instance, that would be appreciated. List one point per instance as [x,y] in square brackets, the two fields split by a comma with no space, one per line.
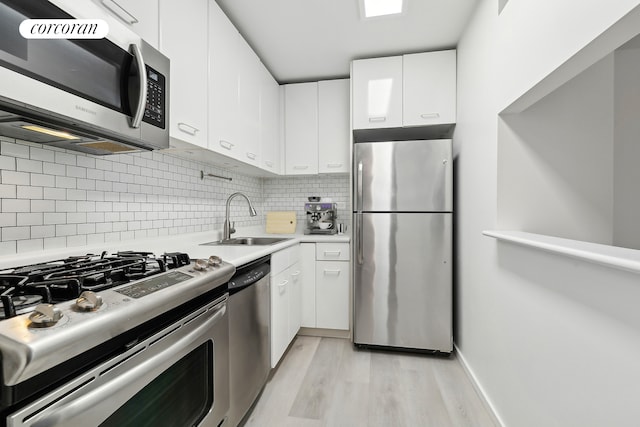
[177,377]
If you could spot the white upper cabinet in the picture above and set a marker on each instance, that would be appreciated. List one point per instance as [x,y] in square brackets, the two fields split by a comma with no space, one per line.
[410,90]
[249,105]
[269,122]
[183,39]
[333,126]
[377,93]
[429,88]
[301,128]
[141,16]
[224,69]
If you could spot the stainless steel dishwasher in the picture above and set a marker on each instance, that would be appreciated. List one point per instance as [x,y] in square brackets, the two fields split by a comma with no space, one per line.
[249,346]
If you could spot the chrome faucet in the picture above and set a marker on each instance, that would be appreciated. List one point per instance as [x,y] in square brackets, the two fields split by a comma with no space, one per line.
[228,227]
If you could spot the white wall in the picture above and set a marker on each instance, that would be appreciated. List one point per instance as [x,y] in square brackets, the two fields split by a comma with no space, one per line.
[626,231]
[552,341]
[555,161]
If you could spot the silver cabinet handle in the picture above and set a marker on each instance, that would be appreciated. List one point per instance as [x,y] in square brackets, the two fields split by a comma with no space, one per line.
[334,165]
[301,167]
[268,163]
[359,186]
[188,129]
[142,80]
[226,144]
[332,253]
[359,238]
[430,115]
[332,272]
[120,12]
[251,156]
[283,284]
[296,274]
[377,119]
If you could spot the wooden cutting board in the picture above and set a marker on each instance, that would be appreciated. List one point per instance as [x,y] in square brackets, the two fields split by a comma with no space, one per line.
[281,222]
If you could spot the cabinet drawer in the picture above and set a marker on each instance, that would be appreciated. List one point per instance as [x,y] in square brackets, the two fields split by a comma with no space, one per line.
[332,251]
[332,295]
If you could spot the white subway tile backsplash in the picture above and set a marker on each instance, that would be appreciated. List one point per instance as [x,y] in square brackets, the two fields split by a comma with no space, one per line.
[14,150]
[13,177]
[30,245]
[104,199]
[30,219]
[65,158]
[41,180]
[7,163]
[65,182]
[26,165]
[42,231]
[36,153]
[66,230]
[53,169]
[7,191]
[15,233]
[8,248]
[27,192]
[8,219]
[13,205]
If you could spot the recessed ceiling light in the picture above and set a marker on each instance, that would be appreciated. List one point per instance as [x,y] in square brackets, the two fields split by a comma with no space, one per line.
[374,8]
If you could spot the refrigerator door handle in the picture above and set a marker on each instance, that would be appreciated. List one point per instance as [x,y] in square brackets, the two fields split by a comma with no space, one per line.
[359,195]
[359,238]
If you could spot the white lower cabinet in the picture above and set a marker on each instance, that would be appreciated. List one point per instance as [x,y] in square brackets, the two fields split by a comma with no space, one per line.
[286,294]
[325,291]
[332,294]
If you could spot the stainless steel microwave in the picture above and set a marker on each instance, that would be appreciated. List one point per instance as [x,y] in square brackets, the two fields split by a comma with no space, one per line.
[99,96]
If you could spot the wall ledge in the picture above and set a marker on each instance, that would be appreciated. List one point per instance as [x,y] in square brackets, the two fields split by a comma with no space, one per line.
[609,256]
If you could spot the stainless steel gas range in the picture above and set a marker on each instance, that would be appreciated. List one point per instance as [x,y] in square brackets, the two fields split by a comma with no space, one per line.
[115,339]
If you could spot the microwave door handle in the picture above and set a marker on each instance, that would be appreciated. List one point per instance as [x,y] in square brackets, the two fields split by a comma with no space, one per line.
[136,120]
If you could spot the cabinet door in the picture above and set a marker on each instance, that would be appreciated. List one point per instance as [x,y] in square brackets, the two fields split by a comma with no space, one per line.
[224,47]
[269,122]
[141,16]
[332,294]
[279,316]
[184,40]
[295,299]
[301,128]
[308,267]
[249,104]
[333,126]
[377,93]
[429,88]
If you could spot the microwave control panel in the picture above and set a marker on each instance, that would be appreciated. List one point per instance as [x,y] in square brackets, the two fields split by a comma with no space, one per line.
[156,94]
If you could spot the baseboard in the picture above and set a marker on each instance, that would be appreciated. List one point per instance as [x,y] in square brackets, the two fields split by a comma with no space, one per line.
[327,333]
[479,390]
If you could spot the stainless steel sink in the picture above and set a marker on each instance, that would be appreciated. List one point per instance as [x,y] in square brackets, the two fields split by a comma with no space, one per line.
[247,241]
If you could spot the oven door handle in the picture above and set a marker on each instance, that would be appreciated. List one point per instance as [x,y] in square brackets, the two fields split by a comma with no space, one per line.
[90,405]
[136,120]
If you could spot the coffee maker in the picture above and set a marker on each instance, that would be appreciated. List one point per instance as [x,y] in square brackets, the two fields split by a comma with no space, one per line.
[321,218]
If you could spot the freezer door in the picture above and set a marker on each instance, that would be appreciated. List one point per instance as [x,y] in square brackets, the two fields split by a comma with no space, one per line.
[403,176]
[402,280]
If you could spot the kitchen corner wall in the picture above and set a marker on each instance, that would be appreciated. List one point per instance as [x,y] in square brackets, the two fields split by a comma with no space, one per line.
[53,198]
[290,194]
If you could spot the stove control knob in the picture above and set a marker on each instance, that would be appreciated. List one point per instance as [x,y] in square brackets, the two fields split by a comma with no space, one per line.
[89,301]
[201,264]
[45,315]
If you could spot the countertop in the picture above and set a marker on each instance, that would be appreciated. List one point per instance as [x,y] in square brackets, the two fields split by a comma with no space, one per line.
[189,243]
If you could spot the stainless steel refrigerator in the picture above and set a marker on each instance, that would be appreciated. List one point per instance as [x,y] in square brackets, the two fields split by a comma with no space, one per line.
[403,204]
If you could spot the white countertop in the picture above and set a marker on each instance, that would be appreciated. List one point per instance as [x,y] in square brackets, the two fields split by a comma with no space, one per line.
[189,243]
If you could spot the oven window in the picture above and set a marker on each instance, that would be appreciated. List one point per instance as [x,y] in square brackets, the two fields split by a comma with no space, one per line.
[181,396]
[96,70]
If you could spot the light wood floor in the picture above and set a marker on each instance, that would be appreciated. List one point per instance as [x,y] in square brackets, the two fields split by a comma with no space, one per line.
[326,382]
